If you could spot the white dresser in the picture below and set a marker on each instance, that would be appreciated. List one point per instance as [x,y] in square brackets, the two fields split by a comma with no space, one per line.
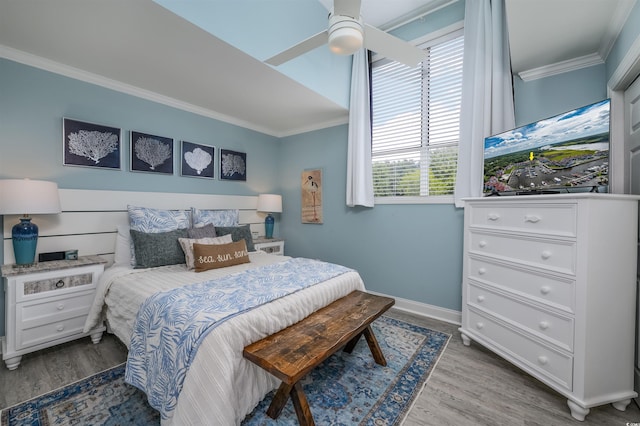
[549,285]
[47,304]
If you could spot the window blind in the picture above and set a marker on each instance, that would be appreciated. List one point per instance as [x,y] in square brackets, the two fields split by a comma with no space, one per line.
[415,122]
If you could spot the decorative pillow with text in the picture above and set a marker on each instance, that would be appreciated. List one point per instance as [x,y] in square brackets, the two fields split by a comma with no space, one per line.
[219,256]
[187,246]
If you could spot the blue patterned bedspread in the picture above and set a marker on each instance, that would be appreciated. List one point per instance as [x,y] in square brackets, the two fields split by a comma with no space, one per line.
[171,325]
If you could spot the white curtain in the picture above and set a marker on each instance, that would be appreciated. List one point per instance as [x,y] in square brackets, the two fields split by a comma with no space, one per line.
[359,169]
[487,90]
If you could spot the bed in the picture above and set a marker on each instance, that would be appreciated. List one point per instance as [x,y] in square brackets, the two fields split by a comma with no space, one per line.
[220,386]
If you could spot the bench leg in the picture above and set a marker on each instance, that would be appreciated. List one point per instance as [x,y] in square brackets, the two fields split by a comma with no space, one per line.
[351,344]
[300,403]
[279,400]
[305,418]
[378,356]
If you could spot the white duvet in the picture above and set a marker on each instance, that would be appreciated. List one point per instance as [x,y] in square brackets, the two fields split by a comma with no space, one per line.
[221,387]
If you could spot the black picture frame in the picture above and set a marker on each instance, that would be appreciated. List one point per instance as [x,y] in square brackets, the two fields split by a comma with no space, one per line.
[151,153]
[91,145]
[233,165]
[194,157]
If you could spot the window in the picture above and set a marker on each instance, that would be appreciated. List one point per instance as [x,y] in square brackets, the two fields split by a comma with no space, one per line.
[415,122]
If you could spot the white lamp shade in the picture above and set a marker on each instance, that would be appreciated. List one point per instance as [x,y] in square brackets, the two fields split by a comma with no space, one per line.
[25,196]
[270,203]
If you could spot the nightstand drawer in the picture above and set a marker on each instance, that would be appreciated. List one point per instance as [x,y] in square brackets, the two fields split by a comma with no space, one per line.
[30,314]
[33,336]
[269,246]
[45,285]
[57,283]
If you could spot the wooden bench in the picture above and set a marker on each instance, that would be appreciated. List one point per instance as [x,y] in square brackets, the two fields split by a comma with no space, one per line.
[293,352]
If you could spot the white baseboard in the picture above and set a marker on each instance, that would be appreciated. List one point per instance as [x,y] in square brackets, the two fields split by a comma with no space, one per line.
[425,310]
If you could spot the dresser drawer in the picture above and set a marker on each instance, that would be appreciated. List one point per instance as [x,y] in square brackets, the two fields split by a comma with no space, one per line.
[49,332]
[530,283]
[551,219]
[555,255]
[554,365]
[556,329]
[53,310]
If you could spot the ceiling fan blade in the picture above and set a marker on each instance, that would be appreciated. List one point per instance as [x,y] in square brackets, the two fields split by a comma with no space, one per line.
[299,49]
[347,8]
[392,47]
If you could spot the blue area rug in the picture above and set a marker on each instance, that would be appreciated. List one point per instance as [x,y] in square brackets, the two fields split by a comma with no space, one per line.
[347,389]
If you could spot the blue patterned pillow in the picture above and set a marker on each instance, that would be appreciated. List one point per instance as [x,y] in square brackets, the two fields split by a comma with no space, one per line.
[147,220]
[144,219]
[214,217]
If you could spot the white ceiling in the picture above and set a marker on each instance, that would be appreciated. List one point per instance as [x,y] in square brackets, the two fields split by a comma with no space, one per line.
[141,48]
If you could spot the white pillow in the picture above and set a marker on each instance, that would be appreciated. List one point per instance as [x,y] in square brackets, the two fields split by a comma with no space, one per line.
[122,255]
[187,246]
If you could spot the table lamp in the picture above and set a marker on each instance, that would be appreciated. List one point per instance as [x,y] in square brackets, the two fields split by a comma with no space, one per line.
[25,197]
[269,203]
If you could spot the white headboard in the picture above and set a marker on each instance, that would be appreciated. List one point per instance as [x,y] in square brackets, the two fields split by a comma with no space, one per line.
[89,218]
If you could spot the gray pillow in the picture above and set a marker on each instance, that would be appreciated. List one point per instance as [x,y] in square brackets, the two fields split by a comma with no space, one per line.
[207,231]
[157,249]
[242,232]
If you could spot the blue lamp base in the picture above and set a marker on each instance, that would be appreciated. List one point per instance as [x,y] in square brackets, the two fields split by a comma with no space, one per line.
[25,240]
[268,226]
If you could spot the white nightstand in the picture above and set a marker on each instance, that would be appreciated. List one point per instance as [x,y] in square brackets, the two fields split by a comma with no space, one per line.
[269,245]
[47,304]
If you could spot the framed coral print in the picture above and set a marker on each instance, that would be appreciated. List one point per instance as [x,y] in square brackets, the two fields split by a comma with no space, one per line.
[90,145]
[150,153]
[197,160]
[233,165]
[311,196]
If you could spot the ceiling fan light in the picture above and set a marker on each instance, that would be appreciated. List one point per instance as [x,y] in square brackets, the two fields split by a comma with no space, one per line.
[345,36]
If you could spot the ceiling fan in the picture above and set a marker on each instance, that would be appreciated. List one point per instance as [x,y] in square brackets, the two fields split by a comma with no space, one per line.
[346,33]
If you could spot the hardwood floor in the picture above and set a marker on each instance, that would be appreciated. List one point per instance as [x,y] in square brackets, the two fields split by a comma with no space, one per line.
[469,386]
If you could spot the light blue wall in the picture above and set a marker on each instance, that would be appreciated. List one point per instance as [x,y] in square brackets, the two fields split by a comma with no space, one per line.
[544,97]
[408,251]
[630,32]
[33,102]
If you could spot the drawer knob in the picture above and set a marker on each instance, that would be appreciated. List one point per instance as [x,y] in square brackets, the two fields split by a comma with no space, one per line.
[532,218]
[493,216]
[60,284]
[480,298]
[479,325]
[482,271]
[543,360]
[545,254]
[60,306]
[482,243]
[543,325]
[545,289]
[60,327]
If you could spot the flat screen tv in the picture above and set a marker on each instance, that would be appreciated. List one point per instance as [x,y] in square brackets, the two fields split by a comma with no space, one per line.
[568,152]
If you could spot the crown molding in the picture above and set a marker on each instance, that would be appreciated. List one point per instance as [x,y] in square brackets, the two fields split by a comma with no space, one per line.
[99,80]
[628,69]
[562,67]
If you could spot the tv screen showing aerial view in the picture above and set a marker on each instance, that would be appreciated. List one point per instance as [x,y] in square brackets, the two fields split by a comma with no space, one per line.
[560,153]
